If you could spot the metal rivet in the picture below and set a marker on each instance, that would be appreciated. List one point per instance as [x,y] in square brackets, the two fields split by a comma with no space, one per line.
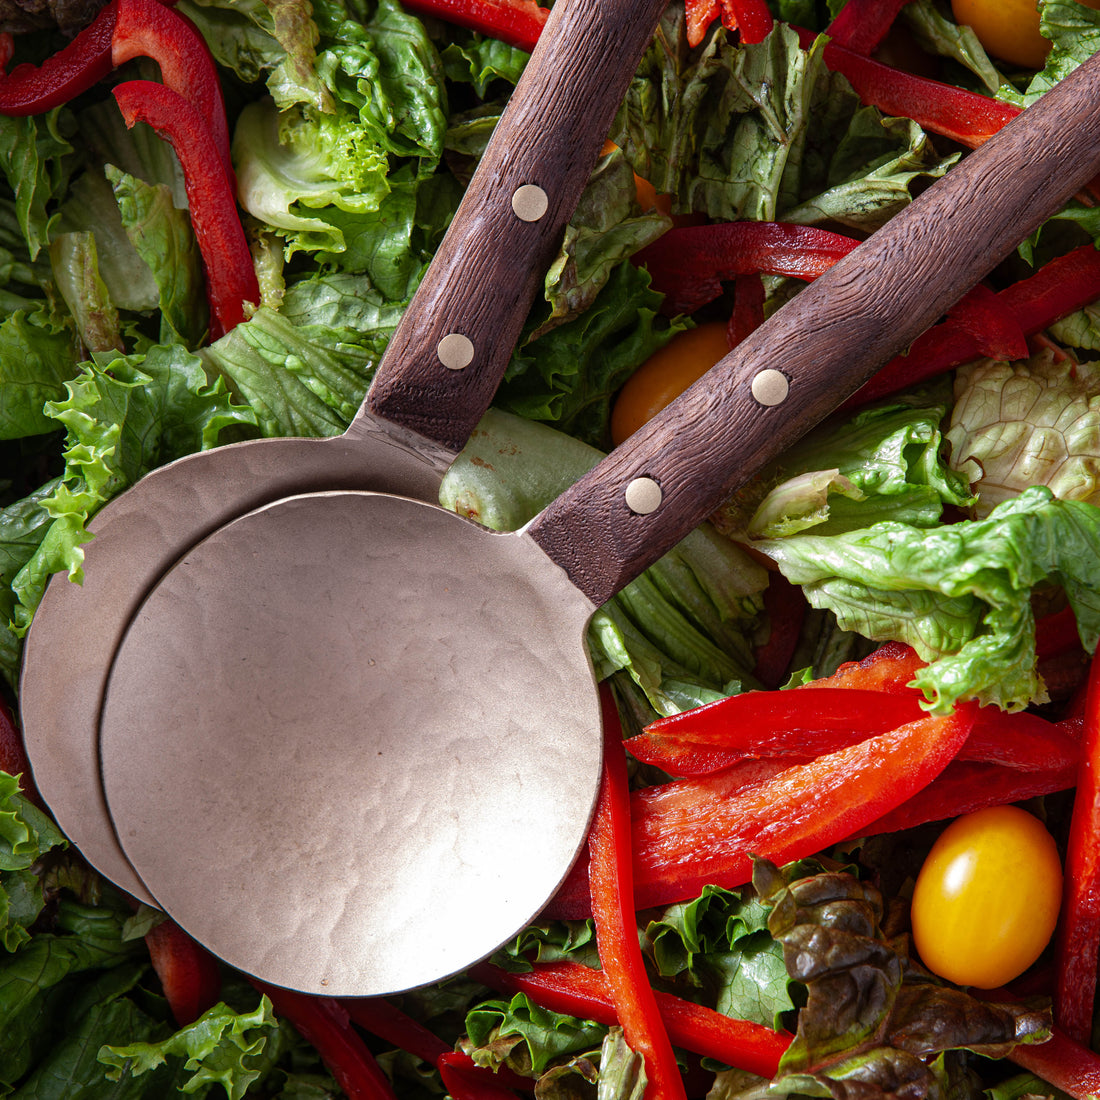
[643,495]
[770,387]
[455,351]
[529,202]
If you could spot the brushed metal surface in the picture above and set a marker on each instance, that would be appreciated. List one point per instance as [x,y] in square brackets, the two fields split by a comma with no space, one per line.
[379,752]
[77,628]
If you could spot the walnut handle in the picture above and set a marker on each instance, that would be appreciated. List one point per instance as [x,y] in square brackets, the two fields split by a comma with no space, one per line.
[827,341]
[483,279]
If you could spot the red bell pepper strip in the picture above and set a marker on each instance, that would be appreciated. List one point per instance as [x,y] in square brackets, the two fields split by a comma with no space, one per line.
[517,22]
[324,1023]
[1061,1062]
[467,1081]
[689,263]
[231,277]
[982,313]
[581,991]
[691,832]
[188,973]
[752,19]
[698,16]
[862,24]
[379,1017]
[1057,289]
[966,117]
[1057,633]
[83,63]
[1077,945]
[148,28]
[746,317]
[611,881]
[965,786]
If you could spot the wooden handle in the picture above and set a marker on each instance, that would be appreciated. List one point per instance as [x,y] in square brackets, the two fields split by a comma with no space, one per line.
[479,287]
[825,343]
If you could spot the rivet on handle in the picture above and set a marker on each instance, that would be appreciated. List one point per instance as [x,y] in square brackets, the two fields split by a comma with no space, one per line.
[643,495]
[455,351]
[770,387]
[529,202]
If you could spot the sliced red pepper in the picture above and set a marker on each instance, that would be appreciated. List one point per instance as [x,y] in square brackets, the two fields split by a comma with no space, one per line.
[381,1018]
[188,973]
[465,1080]
[1057,289]
[1057,633]
[1078,939]
[689,263]
[1063,1063]
[83,63]
[965,786]
[745,318]
[517,22]
[689,832]
[581,991]
[611,881]
[966,117]
[231,277]
[324,1023]
[752,19]
[149,28]
[981,313]
[862,24]
[698,16]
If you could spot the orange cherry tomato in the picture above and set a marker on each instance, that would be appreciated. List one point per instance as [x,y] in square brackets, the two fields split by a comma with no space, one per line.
[987,898]
[1008,29]
[665,375]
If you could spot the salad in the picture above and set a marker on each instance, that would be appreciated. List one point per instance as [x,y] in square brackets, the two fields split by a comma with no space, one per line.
[213,215]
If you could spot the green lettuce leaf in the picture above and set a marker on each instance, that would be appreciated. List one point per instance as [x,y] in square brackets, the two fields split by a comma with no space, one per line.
[569,375]
[221,1047]
[801,149]
[527,1038]
[1029,423]
[933,29]
[885,463]
[959,594]
[74,258]
[682,630]
[719,946]
[164,240]
[38,356]
[26,835]
[122,420]
[35,159]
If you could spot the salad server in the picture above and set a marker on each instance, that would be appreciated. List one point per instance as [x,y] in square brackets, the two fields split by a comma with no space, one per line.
[425,400]
[292,845]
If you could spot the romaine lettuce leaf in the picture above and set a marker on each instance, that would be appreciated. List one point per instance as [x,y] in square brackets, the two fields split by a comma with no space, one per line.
[692,125]
[959,594]
[1028,423]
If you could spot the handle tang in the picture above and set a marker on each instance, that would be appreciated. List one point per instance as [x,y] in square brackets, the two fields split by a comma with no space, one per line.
[450,351]
[823,345]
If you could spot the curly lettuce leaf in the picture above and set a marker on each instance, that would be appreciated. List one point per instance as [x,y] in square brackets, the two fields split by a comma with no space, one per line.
[569,375]
[682,629]
[222,1047]
[122,419]
[959,594]
[1028,423]
[26,835]
[719,946]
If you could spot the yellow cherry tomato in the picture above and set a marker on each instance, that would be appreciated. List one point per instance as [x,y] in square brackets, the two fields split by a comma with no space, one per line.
[1008,29]
[987,898]
[665,375]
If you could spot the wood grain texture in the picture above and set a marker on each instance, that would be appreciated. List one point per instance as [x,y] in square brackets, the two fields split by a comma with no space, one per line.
[484,277]
[828,341]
